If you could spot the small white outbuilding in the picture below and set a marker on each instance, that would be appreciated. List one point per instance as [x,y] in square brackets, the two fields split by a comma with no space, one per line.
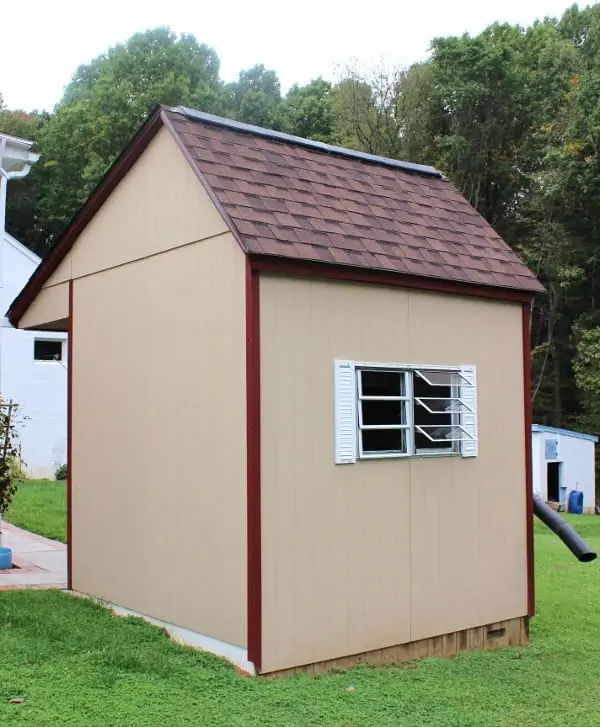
[564,461]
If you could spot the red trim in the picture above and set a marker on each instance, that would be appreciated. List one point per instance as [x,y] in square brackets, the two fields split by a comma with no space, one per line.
[309,269]
[100,194]
[253,505]
[528,465]
[70,441]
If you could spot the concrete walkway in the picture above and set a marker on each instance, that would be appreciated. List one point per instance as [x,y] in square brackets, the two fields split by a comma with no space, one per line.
[40,562]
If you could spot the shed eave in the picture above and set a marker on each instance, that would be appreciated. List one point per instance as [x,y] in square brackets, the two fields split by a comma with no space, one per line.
[542,428]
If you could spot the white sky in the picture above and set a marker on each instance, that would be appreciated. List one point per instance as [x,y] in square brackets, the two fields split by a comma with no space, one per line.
[40,48]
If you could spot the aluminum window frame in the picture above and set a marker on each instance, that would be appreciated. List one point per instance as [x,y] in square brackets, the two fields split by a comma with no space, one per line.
[406,401]
[410,401]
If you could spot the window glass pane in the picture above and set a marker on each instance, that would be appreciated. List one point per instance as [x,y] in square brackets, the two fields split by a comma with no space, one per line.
[383,412]
[441,406]
[384,440]
[437,378]
[430,421]
[383,383]
[441,433]
[44,350]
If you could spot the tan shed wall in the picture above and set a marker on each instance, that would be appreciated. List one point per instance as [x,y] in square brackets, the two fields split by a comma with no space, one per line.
[159,400]
[132,223]
[159,443]
[382,552]
[50,305]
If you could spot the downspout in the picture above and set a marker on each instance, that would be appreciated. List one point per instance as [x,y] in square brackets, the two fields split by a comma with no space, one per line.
[3,186]
[5,177]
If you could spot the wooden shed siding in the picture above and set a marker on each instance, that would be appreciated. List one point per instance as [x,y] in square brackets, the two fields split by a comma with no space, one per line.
[159,438]
[52,304]
[359,557]
[132,223]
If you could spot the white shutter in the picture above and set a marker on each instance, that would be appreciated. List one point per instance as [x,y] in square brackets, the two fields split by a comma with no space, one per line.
[345,412]
[469,446]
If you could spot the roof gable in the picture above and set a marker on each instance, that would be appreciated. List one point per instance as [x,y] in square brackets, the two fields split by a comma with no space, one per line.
[300,200]
[304,200]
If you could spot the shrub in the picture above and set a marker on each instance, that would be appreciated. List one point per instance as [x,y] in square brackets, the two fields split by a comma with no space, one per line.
[61,472]
[16,469]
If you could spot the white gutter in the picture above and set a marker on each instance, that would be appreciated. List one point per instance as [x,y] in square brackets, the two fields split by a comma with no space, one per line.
[15,163]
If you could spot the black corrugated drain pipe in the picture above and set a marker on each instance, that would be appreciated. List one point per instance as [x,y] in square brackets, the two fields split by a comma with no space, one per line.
[574,542]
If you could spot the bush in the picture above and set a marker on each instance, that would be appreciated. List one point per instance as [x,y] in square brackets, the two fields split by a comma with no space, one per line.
[16,469]
[61,472]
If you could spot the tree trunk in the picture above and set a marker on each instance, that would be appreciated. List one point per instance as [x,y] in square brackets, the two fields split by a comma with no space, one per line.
[557,415]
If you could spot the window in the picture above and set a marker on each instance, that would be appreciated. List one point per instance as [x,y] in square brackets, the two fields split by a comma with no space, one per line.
[394,410]
[47,350]
[383,413]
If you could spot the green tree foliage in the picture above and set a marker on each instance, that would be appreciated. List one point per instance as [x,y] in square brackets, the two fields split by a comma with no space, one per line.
[307,111]
[511,116]
[255,97]
[106,102]
[23,218]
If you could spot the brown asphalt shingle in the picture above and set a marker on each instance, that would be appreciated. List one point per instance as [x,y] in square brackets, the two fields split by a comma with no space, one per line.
[294,202]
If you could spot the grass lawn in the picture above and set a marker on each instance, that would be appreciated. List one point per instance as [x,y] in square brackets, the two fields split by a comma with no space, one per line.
[73,663]
[41,506]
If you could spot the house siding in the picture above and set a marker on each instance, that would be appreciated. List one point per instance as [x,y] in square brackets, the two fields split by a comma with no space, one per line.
[382,552]
[39,388]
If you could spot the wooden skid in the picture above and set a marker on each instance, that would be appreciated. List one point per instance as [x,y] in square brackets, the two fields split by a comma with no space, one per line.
[513,632]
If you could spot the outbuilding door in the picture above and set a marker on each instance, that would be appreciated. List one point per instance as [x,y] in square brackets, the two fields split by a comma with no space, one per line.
[554,481]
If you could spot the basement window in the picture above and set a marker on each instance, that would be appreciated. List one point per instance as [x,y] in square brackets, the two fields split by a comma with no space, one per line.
[45,349]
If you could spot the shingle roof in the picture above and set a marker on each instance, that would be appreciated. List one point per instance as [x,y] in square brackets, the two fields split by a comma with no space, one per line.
[300,200]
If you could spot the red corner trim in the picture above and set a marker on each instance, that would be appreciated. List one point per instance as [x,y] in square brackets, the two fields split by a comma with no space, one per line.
[253,468]
[70,441]
[309,269]
[528,465]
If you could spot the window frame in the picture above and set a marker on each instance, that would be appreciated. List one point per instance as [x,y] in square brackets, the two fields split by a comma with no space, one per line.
[407,400]
[49,339]
[409,371]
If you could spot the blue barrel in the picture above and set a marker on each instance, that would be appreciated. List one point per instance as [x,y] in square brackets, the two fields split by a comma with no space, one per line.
[5,558]
[576,502]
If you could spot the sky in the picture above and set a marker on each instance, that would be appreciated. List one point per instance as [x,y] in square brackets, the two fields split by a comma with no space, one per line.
[41,48]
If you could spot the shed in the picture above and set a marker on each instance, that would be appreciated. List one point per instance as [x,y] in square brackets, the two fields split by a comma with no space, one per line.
[563,461]
[299,378]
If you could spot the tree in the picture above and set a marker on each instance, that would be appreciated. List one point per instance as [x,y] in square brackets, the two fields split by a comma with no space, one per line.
[307,111]
[255,97]
[106,102]
[367,111]
[23,219]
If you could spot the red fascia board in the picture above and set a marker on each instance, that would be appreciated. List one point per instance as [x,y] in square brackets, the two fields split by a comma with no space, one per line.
[308,269]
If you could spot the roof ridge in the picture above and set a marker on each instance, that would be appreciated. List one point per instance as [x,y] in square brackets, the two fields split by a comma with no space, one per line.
[242,127]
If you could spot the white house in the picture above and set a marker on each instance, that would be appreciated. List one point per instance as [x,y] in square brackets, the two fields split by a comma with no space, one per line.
[33,365]
[564,461]
[33,371]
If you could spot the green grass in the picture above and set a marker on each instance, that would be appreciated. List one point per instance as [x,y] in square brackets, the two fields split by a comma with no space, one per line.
[73,663]
[41,506]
